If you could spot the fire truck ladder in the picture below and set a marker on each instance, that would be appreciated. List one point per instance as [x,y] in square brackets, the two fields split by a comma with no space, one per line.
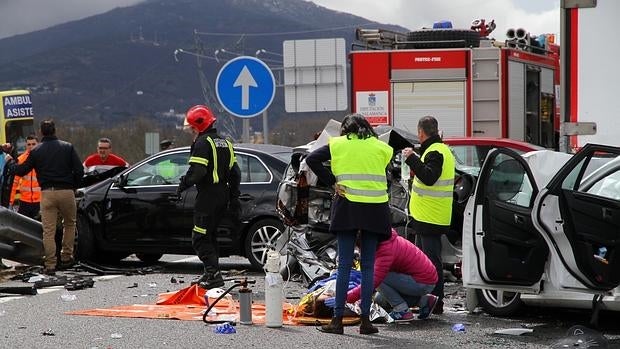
[486,92]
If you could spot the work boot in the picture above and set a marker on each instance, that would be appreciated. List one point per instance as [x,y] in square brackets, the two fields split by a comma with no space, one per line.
[335,326]
[366,327]
[213,280]
[201,278]
[64,265]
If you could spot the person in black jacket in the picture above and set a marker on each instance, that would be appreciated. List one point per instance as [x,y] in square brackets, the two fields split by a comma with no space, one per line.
[214,171]
[59,171]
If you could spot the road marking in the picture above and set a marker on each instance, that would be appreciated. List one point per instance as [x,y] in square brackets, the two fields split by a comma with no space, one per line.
[189,259]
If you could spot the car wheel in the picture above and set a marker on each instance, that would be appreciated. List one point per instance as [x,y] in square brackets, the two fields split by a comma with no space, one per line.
[262,236]
[85,249]
[149,257]
[499,303]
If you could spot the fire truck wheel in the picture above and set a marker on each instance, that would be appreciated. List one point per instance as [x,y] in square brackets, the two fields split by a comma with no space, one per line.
[443,38]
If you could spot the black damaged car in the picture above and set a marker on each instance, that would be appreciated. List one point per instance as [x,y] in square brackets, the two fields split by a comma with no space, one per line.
[138,210]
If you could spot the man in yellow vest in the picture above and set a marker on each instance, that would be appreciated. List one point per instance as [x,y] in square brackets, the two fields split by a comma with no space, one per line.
[27,185]
[431,195]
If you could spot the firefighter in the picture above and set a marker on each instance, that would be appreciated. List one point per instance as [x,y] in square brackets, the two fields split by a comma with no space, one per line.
[28,186]
[431,195]
[359,162]
[214,171]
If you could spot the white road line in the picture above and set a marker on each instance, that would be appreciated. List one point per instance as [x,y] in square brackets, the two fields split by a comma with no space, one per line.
[189,259]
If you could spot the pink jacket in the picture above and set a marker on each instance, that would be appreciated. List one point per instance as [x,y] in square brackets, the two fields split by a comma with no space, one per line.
[399,255]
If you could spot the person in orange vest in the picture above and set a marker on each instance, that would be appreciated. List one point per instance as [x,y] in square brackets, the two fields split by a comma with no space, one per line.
[27,185]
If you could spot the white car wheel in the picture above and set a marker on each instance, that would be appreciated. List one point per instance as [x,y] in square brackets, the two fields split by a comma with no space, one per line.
[499,303]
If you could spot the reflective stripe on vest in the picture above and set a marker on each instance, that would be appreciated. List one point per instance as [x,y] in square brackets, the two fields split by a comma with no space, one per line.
[199,230]
[216,178]
[433,203]
[233,157]
[359,167]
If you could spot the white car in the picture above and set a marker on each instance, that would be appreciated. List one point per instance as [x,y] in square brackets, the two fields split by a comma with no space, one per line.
[544,229]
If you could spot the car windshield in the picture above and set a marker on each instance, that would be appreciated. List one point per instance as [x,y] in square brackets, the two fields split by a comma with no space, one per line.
[469,158]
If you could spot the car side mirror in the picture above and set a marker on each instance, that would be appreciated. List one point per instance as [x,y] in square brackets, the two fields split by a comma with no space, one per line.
[121,180]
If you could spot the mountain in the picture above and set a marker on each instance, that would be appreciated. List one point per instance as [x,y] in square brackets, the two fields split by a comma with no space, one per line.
[111,67]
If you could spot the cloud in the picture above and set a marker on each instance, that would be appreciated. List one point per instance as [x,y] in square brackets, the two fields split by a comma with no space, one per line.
[415,14]
[537,17]
[23,16]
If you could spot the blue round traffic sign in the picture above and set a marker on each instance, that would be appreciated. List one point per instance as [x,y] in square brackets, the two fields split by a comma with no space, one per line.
[245,86]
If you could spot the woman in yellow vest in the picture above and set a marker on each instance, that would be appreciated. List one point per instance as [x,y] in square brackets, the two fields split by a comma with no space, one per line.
[431,195]
[359,162]
[27,185]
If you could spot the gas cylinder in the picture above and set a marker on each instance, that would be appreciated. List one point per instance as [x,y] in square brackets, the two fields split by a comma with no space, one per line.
[273,290]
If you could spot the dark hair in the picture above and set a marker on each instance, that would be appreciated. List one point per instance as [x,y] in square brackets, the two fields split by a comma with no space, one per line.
[428,124]
[357,124]
[48,128]
[31,137]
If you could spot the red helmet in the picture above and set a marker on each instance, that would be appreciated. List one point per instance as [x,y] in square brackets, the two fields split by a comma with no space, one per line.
[200,117]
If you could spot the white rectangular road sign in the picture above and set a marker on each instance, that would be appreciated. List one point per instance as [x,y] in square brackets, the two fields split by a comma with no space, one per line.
[315,75]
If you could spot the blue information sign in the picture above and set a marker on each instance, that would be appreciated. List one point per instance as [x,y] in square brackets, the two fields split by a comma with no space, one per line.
[245,86]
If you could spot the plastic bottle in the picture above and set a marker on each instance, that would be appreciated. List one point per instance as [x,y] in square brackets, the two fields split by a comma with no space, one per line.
[273,290]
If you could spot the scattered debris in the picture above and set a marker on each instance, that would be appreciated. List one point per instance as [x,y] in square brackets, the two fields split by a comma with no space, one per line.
[582,337]
[48,332]
[24,290]
[116,335]
[458,328]
[68,297]
[514,331]
[225,328]
[134,285]
[79,284]
[173,280]
[152,284]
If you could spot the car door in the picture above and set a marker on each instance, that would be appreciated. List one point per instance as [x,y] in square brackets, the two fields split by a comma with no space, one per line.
[256,181]
[143,208]
[579,212]
[502,248]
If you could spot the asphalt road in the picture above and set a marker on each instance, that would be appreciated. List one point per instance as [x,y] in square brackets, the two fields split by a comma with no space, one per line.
[24,319]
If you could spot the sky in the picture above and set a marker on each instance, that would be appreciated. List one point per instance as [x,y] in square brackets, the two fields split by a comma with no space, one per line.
[535,16]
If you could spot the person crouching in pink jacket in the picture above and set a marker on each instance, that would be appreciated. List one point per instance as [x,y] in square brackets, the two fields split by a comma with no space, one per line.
[402,271]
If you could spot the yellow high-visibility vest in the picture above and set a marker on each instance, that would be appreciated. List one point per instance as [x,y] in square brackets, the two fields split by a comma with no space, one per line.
[433,203]
[359,166]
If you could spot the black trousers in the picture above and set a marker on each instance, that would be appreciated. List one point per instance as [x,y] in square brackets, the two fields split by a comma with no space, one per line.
[430,244]
[29,209]
[204,238]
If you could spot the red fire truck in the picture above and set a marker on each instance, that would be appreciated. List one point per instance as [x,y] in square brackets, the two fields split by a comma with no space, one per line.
[474,86]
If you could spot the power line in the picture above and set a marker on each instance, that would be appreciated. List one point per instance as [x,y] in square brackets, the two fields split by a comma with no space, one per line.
[282,33]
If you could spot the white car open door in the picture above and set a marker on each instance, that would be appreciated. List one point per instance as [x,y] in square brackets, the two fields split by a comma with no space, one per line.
[578,213]
[502,250]
[568,233]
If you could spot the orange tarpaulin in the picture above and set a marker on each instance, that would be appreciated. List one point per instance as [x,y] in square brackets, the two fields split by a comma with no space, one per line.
[188,304]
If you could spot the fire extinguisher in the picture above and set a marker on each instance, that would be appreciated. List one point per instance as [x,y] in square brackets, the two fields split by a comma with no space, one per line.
[273,290]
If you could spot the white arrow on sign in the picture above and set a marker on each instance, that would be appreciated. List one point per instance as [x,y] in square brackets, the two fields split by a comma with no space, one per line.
[245,80]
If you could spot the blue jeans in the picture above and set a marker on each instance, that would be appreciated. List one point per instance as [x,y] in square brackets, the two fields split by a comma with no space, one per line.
[397,288]
[346,242]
